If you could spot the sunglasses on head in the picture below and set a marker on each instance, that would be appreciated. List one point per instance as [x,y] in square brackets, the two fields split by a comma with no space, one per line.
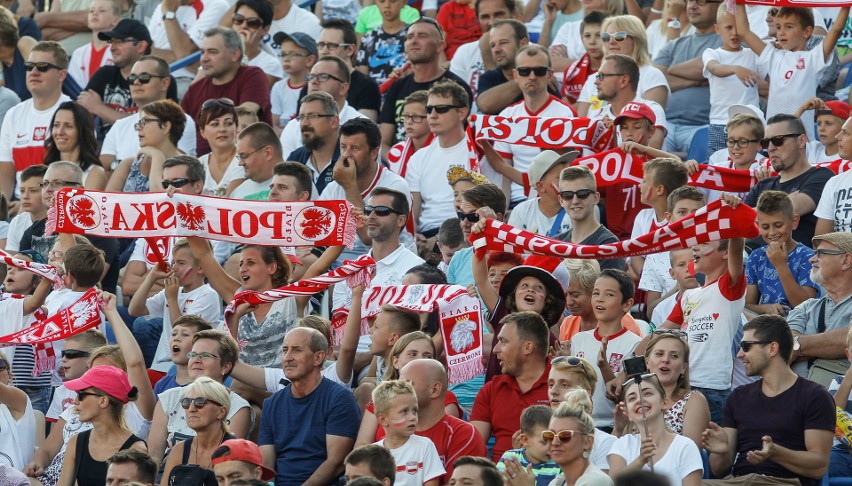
[642,377]
[199,402]
[42,67]
[618,36]
[75,353]
[178,183]
[217,102]
[777,141]
[673,332]
[539,71]
[381,211]
[582,194]
[440,109]
[746,345]
[564,436]
[573,362]
[143,78]
[251,22]
[472,217]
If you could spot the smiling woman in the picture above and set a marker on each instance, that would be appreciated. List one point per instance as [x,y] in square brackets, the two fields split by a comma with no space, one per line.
[72,138]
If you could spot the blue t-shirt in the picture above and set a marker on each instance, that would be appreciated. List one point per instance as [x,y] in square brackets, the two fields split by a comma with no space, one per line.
[544,472]
[761,272]
[297,428]
[166,383]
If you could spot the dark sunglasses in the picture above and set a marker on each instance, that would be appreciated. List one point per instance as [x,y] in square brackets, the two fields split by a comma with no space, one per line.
[4,365]
[440,109]
[472,217]
[539,71]
[75,353]
[573,362]
[199,402]
[582,194]
[746,345]
[777,141]
[642,377]
[564,436]
[143,78]
[217,102]
[180,182]
[251,22]
[83,394]
[381,211]
[42,67]
[618,36]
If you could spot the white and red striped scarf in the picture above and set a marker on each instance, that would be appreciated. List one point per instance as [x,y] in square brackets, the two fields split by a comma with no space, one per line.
[575,77]
[714,222]
[544,133]
[400,154]
[41,269]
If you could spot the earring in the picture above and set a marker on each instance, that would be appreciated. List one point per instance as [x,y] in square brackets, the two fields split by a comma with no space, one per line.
[586,454]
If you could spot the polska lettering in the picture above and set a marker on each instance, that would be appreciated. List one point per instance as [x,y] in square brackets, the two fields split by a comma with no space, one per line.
[545,133]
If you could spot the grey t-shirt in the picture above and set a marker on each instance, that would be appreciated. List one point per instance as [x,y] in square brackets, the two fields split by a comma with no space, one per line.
[690,106]
[599,237]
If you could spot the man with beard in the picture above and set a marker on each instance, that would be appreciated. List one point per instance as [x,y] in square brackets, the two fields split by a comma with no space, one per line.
[319,122]
[497,87]
[820,325]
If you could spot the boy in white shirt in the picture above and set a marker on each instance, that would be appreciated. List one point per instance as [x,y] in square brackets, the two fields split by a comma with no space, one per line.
[679,261]
[830,116]
[85,60]
[298,55]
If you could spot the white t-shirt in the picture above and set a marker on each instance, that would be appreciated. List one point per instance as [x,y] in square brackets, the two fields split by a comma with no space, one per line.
[285,101]
[12,319]
[664,308]
[649,78]
[80,63]
[296,20]
[269,63]
[389,271]
[645,222]
[17,227]
[436,194]
[193,19]
[468,64]
[587,345]
[521,156]
[232,173]
[599,456]
[291,137]
[655,273]
[417,461]
[17,437]
[203,301]
[122,141]
[177,428]
[721,158]
[729,90]
[527,215]
[816,153]
[681,458]
[570,36]
[836,202]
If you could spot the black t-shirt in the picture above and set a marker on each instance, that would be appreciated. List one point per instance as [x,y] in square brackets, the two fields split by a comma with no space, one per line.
[811,183]
[400,89]
[34,239]
[601,236]
[784,417]
[495,77]
[363,92]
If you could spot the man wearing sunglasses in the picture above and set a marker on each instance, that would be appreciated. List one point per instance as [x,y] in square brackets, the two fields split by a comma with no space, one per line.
[786,144]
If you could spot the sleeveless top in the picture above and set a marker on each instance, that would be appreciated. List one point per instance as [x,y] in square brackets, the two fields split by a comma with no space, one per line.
[187,446]
[136,182]
[674,415]
[89,471]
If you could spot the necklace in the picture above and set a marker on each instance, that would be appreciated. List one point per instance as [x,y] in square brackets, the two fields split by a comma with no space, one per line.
[208,464]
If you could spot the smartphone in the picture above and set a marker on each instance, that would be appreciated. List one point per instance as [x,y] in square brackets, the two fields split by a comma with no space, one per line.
[635,366]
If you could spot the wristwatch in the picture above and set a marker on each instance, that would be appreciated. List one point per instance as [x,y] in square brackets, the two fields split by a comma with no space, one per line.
[796,344]
[169,16]
[674,23]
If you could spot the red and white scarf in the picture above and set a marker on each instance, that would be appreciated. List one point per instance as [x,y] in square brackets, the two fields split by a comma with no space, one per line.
[400,154]
[41,269]
[544,133]
[575,78]
[838,166]
[280,223]
[460,321]
[714,222]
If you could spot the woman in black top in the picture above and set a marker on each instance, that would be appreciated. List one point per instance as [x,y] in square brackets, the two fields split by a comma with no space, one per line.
[102,394]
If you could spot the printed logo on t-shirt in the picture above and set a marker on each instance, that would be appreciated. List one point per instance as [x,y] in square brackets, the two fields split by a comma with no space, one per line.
[800,63]
[411,467]
[615,362]
[39,134]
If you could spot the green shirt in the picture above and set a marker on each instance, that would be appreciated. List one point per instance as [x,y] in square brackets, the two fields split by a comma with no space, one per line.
[369,18]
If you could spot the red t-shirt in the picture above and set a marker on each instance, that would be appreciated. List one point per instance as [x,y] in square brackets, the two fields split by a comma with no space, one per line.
[622,207]
[450,399]
[460,25]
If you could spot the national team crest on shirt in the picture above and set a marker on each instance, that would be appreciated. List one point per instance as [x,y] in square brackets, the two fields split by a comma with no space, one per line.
[411,467]
[800,63]
[39,134]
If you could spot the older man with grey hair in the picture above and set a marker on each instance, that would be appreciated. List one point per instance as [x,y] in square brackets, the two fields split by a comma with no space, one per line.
[225,80]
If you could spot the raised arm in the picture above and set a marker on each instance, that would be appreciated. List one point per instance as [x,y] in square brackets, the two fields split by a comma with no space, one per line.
[138,303]
[351,332]
[755,43]
[225,285]
[33,302]
[836,29]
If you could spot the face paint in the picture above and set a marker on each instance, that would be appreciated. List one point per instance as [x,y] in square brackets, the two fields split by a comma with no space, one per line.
[186,272]
[400,422]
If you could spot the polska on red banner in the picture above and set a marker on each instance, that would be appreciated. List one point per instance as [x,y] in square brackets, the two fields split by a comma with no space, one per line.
[544,133]
[117,215]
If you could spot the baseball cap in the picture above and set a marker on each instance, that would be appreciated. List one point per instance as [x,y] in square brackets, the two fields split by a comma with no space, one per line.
[301,39]
[637,111]
[842,240]
[242,450]
[836,108]
[109,379]
[746,110]
[545,161]
[125,29]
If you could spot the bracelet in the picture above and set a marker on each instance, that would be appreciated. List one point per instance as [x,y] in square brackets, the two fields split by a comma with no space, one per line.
[655,11]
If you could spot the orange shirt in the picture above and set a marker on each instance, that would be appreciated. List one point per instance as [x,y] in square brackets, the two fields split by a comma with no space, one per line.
[571,325]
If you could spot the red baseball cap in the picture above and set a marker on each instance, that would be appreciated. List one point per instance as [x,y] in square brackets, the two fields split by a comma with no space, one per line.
[109,379]
[246,451]
[637,111]
[837,108]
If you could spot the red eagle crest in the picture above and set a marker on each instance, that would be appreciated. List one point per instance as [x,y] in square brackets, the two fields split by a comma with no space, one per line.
[191,216]
[81,210]
[316,223]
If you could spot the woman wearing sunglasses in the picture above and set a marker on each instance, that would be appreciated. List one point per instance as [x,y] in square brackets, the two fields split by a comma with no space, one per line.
[672,455]
[217,123]
[159,129]
[72,138]
[17,420]
[252,19]
[205,405]
[102,394]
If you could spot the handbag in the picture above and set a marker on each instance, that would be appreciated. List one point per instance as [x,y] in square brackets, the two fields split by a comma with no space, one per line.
[823,370]
[192,475]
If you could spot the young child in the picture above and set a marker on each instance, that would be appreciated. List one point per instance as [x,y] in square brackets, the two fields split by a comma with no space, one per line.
[245,117]
[794,72]
[383,48]
[830,116]
[460,24]
[684,280]
[298,55]
[577,74]
[85,60]
[450,240]
[610,343]
[731,71]
[180,343]
[534,450]
[185,293]
[31,207]
[499,263]
[417,132]
[778,275]
[416,457]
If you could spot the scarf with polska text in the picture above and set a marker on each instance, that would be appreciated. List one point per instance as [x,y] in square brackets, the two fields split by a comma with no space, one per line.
[575,78]
[460,321]
[135,215]
[541,132]
[714,222]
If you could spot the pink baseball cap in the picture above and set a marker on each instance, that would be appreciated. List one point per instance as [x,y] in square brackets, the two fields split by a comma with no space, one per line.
[109,379]
[637,111]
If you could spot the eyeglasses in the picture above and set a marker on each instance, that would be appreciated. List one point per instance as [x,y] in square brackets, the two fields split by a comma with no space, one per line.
[226,102]
[472,217]
[193,355]
[741,143]
[777,141]
[331,45]
[83,394]
[199,402]
[42,67]
[539,71]
[312,116]
[602,76]
[573,362]
[179,182]
[673,332]
[4,365]
[251,22]
[245,156]
[582,194]
[144,121]
[322,77]
[413,118]
[381,211]
[823,251]
[746,345]
[122,41]
[291,54]
[563,436]
[75,354]
[618,36]
[642,377]
[143,78]
[56,255]
[440,109]
[57,184]
[702,3]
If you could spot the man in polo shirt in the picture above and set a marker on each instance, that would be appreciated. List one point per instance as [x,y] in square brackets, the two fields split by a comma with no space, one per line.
[522,352]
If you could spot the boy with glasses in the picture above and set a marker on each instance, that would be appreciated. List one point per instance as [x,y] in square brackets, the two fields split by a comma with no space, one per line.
[298,55]
[417,132]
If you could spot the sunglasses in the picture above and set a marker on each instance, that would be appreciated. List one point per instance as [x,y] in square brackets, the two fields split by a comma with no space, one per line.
[642,377]
[746,345]
[618,36]
[180,182]
[440,109]
[673,332]
[199,402]
[251,22]
[823,251]
[573,362]
[582,194]
[192,355]
[539,71]
[381,211]
[83,394]
[777,141]
[217,102]
[472,217]
[143,78]
[42,67]
[4,365]
[824,112]
[564,436]
[75,354]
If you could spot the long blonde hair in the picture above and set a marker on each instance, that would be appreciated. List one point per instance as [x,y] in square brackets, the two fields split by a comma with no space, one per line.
[634,28]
